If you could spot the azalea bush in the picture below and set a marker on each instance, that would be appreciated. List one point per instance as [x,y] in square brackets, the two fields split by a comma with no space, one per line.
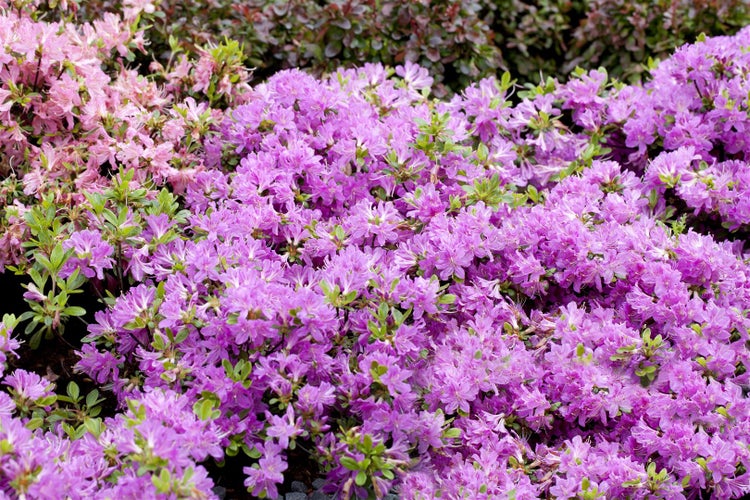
[523,290]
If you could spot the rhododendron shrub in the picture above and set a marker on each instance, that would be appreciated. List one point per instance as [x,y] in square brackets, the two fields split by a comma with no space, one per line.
[73,115]
[684,131]
[491,296]
[442,298]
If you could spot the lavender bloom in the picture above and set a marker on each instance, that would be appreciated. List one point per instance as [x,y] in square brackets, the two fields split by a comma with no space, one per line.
[91,254]
[461,299]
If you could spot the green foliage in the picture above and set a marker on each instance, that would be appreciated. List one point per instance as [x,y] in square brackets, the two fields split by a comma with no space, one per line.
[120,211]
[48,293]
[435,137]
[647,354]
[555,36]
[623,35]
[216,75]
[458,41]
[536,36]
[589,491]
[449,37]
[386,322]
[119,214]
[376,462]
[75,413]
[334,295]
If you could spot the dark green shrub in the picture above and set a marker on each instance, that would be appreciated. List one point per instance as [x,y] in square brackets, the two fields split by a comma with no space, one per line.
[459,41]
[536,36]
[451,38]
[555,36]
[623,34]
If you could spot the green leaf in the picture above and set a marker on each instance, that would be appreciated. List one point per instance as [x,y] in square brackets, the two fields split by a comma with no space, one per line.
[9,323]
[505,81]
[36,339]
[6,447]
[74,311]
[44,262]
[349,463]
[580,350]
[34,423]
[452,433]
[585,484]
[74,281]
[181,335]
[228,368]
[532,193]
[447,299]
[374,329]
[361,478]
[483,153]
[57,257]
[203,409]
[382,313]
[62,298]
[26,315]
[349,297]
[367,439]
[162,482]
[92,398]
[38,279]
[47,400]
[398,316]
[94,426]
[159,343]
[73,391]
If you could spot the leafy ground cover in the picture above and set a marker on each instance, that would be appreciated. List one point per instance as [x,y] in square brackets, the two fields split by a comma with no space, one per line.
[523,290]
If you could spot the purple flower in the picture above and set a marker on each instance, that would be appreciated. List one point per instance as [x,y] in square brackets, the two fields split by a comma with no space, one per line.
[285,427]
[91,254]
[33,293]
[415,76]
[27,386]
[268,473]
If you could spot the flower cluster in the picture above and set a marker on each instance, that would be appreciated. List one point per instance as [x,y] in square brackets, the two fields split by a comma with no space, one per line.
[72,114]
[428,297]
[533,295]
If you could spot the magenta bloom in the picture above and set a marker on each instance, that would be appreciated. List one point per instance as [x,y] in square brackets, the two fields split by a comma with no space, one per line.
[269,474]
[91,254]
[27,386]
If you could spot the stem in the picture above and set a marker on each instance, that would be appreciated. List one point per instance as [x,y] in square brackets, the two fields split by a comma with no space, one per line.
[118,268]
[38,67]
[64,340]
[62,70]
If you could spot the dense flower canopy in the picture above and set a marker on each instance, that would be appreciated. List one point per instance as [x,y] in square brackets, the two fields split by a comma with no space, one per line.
[539,292]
